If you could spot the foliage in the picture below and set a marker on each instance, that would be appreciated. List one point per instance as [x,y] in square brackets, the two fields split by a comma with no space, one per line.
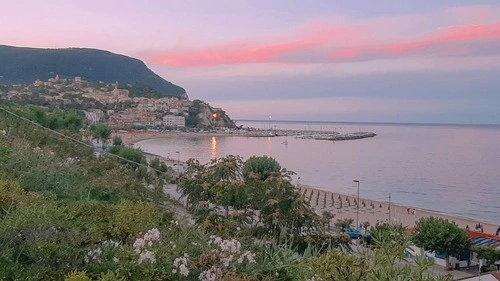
[261,167]
[344,223]
[100,131]
[386,233]
[491,255]
[77,276]
[442,236]
[272,202]
[117,140]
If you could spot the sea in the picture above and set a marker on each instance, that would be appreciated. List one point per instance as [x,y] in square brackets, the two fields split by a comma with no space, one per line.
[449,168]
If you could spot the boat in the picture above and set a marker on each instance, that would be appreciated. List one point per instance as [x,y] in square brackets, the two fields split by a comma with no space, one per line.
[285,143]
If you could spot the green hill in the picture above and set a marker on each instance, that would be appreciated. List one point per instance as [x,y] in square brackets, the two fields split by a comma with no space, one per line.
[20,65]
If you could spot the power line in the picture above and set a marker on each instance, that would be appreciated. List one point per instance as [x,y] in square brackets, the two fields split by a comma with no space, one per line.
[76,140]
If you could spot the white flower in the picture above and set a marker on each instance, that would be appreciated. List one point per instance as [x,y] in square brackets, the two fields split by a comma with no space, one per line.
[147,256]
[115,259]
[238,228]
[183,270]
[180,265]
[211,274]
[139,244]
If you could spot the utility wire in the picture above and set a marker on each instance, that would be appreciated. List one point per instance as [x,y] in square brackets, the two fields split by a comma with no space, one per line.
[76,140]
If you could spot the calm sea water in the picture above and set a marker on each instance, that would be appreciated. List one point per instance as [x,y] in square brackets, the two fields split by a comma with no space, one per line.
[449,168]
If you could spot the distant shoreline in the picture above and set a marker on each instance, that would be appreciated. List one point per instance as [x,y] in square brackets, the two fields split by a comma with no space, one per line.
[374,123]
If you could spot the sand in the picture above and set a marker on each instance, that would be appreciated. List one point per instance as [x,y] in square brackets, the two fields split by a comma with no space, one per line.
[344,206]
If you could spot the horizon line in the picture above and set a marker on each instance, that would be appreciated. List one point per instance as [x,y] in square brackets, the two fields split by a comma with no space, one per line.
[371,122]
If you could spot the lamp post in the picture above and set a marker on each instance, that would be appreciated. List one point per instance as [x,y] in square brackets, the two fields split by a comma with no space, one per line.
[389,208]
[178,161]
[357,207]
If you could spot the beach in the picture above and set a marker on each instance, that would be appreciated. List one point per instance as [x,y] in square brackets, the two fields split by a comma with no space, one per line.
[344,206]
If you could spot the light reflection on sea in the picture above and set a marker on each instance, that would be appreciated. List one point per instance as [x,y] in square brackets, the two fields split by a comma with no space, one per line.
[453,169]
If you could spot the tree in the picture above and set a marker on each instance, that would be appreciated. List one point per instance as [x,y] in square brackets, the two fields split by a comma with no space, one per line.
[344,223]
[328,216]
[442,236]
[132,154]
[491,255]
[100,131]
[261,167]
[117,140]
[388,234]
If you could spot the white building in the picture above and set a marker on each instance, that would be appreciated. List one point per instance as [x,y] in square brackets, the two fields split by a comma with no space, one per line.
[174,120]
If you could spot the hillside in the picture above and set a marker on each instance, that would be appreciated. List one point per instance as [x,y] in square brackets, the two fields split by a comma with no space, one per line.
[25,65]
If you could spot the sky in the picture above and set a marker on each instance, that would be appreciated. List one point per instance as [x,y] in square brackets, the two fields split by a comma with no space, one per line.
[327,60]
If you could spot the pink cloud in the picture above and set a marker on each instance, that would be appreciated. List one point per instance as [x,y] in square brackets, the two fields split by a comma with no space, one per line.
[322,42]
[254,52]
[443,37]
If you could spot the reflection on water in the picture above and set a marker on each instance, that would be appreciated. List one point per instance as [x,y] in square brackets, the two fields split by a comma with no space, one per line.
[449,169]
[214,148]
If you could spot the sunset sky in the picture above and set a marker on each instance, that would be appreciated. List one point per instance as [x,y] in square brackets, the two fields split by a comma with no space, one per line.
[332,60]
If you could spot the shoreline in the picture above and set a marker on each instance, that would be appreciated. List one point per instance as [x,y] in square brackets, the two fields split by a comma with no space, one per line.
[133,137]
[375,211]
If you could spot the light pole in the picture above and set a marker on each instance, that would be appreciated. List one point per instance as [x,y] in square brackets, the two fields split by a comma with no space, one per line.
[357,207]
[178,161]
[389,208]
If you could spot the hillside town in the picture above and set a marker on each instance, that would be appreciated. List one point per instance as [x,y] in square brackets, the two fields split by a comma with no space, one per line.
[119,106]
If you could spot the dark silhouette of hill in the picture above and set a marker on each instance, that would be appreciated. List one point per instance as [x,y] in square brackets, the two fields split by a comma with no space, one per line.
[19,65]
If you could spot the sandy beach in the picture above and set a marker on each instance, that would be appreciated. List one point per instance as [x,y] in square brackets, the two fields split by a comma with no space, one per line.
[344,206]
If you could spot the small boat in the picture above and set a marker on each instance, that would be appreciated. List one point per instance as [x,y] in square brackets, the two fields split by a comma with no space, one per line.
[285,143]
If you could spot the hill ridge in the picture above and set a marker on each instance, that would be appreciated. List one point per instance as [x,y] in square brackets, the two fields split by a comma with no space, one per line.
[27,64]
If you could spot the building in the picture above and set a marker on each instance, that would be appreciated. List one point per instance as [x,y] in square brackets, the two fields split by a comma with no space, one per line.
[78,79]
[94,116]
[174,120]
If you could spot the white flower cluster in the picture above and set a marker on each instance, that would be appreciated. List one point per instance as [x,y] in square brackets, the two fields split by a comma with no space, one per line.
[141,244]
[249,256]
[210,274]
[93,255]
[229,252]
[147,255]
[230,246]
[180,265]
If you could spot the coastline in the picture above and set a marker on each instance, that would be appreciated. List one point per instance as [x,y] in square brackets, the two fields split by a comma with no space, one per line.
[375,211]
[133,137]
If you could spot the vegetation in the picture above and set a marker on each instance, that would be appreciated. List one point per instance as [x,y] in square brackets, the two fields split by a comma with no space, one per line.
[261,167]
[491,255]
[441,236]
[67,215]
[101,132]
[25,65]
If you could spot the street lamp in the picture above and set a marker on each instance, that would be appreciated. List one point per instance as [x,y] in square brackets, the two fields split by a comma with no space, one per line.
[357,206]
[178,161]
